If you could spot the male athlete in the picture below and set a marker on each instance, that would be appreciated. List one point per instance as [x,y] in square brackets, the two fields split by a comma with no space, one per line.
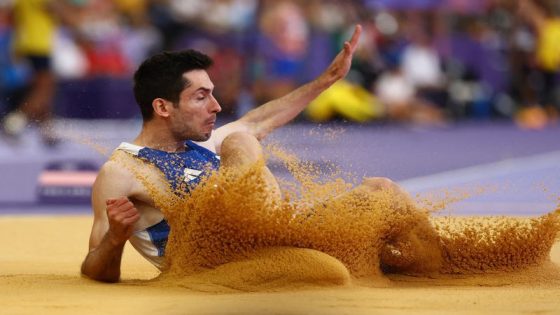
[179,111]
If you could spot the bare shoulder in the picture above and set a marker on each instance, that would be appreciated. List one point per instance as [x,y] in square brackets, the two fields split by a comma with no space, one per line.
[125,175]
[117,166]
[115,179]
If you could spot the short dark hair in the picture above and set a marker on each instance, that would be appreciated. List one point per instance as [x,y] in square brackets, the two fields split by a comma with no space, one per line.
[161,76]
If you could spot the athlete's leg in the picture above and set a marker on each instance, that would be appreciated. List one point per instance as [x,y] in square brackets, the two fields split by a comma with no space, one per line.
[413,246]
[38,104]
[380,187]
[264,266]
[376,184]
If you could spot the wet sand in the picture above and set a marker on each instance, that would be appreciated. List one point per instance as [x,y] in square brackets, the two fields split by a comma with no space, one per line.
[41,255]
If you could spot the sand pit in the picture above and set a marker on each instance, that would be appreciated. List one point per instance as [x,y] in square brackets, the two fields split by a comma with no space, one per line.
[243,261]
[352,260]
[39,274]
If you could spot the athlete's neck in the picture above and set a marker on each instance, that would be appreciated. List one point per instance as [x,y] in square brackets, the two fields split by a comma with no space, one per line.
[159,141]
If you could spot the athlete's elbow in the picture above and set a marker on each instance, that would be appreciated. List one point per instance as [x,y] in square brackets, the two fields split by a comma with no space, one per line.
[97,275]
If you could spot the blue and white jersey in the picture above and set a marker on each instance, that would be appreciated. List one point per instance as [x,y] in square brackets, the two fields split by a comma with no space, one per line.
[184,171]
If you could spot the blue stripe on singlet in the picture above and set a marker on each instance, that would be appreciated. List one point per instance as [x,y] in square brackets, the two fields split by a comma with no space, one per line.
[174,164]
[158,234]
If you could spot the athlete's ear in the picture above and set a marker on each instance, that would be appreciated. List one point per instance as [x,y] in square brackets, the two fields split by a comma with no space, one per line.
[161,107]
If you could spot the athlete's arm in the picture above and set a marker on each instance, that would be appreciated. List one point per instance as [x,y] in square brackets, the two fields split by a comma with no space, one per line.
[265,118]
[114,218]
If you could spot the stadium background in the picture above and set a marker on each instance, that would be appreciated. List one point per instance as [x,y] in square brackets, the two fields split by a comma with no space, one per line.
[465,76]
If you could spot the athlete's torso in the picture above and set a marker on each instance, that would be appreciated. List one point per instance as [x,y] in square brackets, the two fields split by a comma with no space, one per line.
[182,171]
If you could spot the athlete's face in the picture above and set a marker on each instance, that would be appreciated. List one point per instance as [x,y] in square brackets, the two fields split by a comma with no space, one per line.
[195,115]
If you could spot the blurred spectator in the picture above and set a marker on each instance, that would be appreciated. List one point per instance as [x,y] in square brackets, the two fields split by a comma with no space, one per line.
[281,50]
[140,38]
[227,15]
[35,26]
[13,76]
[542,18]
[424,58]
[477,69]
[400,73]
[400,99]
[421,66]
[100,36]
[111,42]
[135,11]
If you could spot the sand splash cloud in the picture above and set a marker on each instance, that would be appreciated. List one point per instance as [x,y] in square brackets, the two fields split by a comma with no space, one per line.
[229,230]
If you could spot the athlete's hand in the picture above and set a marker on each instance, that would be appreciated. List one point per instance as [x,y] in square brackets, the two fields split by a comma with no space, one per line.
[122,215]
[342,62]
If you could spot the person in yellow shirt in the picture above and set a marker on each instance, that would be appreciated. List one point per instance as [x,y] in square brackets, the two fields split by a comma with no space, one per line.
[547,58]
[35,24]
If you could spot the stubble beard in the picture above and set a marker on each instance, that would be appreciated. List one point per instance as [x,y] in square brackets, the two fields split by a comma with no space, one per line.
[203,137]
[188,131]
[194,136]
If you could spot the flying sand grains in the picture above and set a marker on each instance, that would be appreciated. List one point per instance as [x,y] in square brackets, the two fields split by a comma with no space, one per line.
[230,232]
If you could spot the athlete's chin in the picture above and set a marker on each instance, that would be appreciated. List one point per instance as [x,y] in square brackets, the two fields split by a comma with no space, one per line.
[202,137]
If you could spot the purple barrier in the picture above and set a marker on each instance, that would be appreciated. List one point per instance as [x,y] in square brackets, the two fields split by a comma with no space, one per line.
[96,98]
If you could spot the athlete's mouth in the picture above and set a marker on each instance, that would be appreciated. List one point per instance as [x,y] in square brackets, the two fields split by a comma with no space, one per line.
[210,123]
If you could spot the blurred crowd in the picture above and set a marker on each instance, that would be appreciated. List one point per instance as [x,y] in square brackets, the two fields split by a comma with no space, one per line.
[419,61]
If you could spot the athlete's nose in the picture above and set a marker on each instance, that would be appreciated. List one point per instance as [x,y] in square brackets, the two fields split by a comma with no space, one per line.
[215,105]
